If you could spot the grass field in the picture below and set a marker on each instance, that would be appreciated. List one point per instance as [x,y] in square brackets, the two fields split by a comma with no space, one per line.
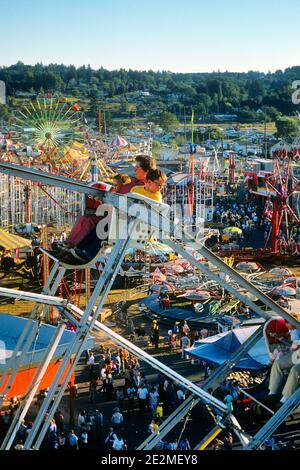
[270,126]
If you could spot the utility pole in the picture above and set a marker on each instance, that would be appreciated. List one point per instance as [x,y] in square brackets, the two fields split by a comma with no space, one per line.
[150,124]
[184,124]
[105,129]
[135,124]
[99,126]
[192,123]
[27,191]
[265,139]
[222,148]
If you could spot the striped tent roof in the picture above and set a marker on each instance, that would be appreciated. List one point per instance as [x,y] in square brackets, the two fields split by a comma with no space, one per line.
[12,242]
[118,141]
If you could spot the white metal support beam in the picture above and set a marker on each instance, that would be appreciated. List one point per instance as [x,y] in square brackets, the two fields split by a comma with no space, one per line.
[169,423]
[238,278]
[77,346]
[124,343]
[161,223]
[32,389]
[152,361]
[270,427]
[152,214]
[212,382]
[27,336]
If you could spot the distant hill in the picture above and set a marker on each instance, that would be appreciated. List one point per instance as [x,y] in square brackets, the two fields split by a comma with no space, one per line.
[252,96]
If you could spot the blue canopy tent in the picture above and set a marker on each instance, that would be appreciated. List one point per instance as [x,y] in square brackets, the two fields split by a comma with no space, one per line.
[11,328]
[219,348]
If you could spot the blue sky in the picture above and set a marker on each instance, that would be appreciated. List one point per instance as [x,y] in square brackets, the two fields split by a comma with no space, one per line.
[175,35]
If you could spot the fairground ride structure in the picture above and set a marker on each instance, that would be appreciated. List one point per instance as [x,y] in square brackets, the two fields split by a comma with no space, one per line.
[57,139]
[280,192]
[143,217]
[191,194]
[51,125]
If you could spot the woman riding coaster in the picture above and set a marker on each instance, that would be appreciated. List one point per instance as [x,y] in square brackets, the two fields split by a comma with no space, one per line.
[89,244]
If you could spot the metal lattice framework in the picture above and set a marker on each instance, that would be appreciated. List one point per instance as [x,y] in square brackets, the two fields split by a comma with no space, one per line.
[44,210]
[281,186]
[157,215]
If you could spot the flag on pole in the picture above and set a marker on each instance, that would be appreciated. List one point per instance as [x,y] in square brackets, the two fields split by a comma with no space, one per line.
[202,168]
[192,122]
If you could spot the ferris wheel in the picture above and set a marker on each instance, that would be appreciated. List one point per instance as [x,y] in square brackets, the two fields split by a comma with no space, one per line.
[52,124]
[281,210]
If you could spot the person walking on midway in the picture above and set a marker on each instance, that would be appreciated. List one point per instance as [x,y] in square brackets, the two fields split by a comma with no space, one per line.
[184,345]
[142,395]
[155,335]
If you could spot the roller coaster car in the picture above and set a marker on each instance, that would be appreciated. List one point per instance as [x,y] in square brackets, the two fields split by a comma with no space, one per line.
[138,236]
[277,337]
[277,342]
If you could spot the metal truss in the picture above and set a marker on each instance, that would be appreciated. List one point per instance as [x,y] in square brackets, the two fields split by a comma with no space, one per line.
[149,214]
[156,215]
[273,423]
[209,385]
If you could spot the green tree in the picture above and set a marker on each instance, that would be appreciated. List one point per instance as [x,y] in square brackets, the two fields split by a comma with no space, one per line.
[5,113]
[215,103]
[207,93]
[107,120]
[286,127]
[168,121]
[271,112]
[156,147]
[123,105]
[213,133]
[180,140]
[255,89]
[173,144]
[94,107]
[49,81]
[204,103]
[246,115]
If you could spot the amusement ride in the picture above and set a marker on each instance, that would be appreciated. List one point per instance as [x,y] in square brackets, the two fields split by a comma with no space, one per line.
[280,190]
[55,126]
[86,321]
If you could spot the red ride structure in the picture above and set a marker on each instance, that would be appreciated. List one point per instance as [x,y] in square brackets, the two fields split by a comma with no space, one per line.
[280,207]
[231,171]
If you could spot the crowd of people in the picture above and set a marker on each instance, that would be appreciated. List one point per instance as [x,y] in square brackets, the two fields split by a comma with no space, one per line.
[7,262]
[154,400]
[29,268]
[247,216]
[115,377]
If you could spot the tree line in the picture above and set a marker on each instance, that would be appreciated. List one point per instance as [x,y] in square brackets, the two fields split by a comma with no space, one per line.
[252,96]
